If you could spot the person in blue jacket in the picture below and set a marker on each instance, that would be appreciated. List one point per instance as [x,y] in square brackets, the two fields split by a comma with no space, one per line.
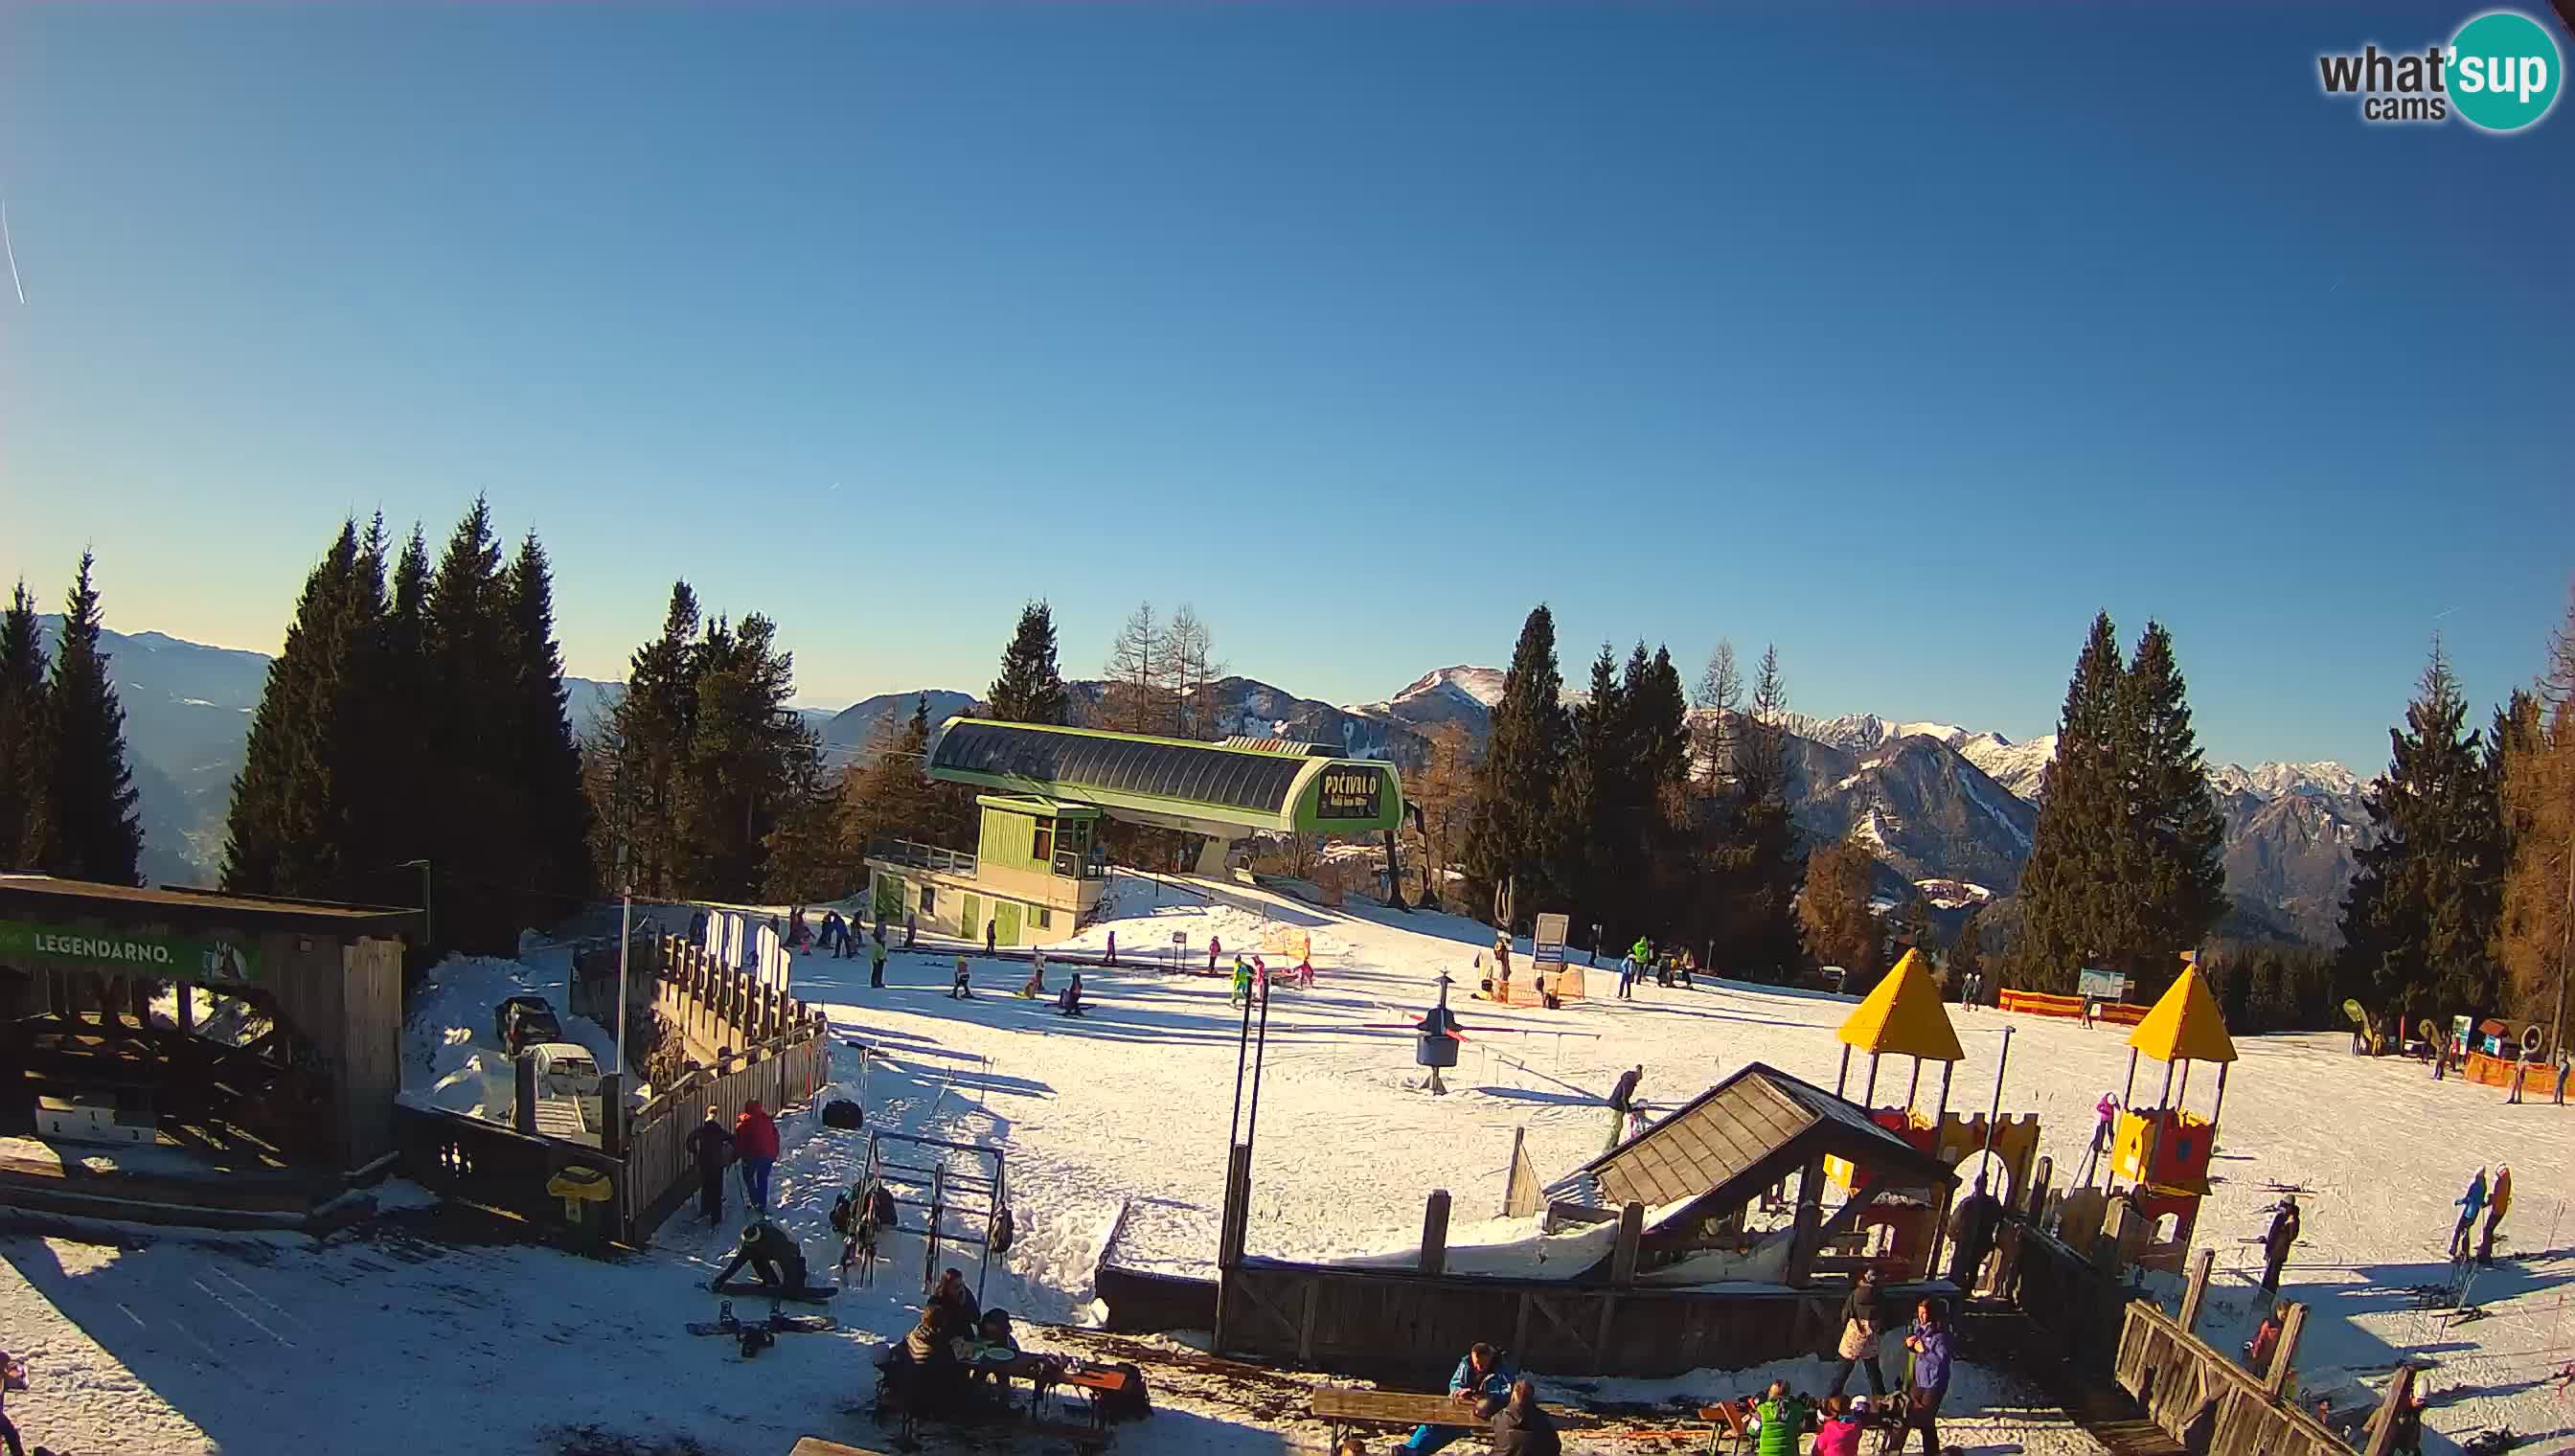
[2471,1203]
[1931,1344]
[1483,1380]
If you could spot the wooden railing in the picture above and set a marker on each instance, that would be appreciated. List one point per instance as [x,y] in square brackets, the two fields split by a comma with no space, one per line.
[719,1009]
[483,1162]
[660,1177]
[2205,1400]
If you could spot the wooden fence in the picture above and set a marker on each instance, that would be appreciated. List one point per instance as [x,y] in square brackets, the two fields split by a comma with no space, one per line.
[660,1175]
[2206,1401]
[481,1161]
[718,1008]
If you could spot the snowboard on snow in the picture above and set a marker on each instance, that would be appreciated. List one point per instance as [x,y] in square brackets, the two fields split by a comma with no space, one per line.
[754,1289]
[775,1324]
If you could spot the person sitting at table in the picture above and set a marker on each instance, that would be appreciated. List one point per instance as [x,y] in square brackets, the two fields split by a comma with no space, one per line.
[1482,1376]
[1522,1427]
[993,1353]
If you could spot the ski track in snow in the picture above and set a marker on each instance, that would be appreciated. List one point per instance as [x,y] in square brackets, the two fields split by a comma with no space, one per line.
[165,1342]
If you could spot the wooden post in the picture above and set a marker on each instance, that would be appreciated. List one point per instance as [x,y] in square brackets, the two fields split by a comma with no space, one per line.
[1842,1077]
[2382,1426]
[2279,1375]
[1631,1242]
[612,1114]
[187,993]
[523,1102]
[1810,1213]
[1435,1232]
[2197,1290]
[2105,1244]
[2038,1187]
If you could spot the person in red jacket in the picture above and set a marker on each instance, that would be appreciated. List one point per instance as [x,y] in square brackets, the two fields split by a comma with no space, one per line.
[755,1147]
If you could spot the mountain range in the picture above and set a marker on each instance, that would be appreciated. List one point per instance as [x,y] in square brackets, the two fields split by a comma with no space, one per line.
[1948,810]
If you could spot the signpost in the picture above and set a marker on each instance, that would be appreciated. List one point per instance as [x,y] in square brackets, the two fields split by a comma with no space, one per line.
[167,958]
[2101,985]
[1546,942]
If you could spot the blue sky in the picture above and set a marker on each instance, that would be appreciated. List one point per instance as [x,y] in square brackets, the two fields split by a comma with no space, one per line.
[1905,340]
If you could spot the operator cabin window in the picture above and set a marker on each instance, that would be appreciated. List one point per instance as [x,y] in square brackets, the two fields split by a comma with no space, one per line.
[928,898]
[1046,921]
[1043,849]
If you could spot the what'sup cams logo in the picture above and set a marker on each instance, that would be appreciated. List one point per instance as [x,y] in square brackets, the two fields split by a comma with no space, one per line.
[2500,73]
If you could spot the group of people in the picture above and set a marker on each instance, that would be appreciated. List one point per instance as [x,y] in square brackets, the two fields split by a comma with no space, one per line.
[1928,1342]
[751,1144]
[1641,958]
[2494,1200]
[1253,979]
[952,1355]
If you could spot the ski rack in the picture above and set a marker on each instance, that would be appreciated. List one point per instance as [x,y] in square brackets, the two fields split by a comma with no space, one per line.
[942,1185]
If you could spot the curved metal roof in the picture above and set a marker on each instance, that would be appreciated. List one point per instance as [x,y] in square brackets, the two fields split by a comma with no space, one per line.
[1259,783]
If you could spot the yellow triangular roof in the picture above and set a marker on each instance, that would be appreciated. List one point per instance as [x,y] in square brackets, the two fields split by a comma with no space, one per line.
[2186,1025]
[1903,1016]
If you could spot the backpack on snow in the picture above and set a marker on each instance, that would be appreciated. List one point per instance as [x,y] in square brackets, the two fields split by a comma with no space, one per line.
[844,1210]
[1127,1402]
[843,1113]
[880,1206]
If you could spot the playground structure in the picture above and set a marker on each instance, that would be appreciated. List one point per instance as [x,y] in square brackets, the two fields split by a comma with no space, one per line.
[944,1195]
[2163,1151]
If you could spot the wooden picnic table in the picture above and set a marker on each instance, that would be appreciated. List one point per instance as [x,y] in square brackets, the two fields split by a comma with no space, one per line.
[1046,1372]
[1343,1408]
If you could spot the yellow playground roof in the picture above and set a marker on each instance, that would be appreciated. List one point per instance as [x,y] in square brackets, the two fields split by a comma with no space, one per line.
[1903,1016]
[2186,1025]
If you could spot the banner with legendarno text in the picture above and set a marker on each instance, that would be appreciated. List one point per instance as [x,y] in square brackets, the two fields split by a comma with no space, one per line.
[172,957]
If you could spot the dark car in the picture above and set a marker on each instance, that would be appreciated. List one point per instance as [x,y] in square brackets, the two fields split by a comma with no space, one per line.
[522,1021]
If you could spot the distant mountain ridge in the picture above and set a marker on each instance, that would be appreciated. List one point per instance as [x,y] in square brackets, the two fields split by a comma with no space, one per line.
[1939,803]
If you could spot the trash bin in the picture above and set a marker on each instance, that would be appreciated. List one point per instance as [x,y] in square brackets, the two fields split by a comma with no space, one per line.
[585,1193]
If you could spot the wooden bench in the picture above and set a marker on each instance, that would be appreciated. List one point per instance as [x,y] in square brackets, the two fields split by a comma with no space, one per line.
[1343,1408]
[817,1446]
[1725,1427]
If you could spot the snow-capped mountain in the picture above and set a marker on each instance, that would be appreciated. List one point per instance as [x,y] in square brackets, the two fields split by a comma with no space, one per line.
[2016,767]
[2327,780]
[1857,732]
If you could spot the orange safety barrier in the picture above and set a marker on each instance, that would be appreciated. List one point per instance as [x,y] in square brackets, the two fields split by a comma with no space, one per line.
[2041,1003]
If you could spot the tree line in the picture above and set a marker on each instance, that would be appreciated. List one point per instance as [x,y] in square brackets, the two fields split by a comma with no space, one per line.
[413,735]
[66,791]
[2461,898]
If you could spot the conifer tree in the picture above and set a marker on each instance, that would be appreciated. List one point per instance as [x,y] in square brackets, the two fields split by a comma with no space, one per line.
[1756,867]
[554,815]
[2426,890]
[1833,914]
[1585,849]
[1506,842]
[649,732]
[1967,953]
[1030,688]
[2177,891]
[301,821]
[22,739]
[88,790]
[474,820]
[2069,886]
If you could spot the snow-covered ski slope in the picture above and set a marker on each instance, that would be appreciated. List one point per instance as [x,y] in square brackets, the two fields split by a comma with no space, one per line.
[173,1345]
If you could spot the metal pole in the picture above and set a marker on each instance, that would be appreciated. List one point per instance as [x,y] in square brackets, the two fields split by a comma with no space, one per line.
[624,950]
[2565,944]
[2001,1064]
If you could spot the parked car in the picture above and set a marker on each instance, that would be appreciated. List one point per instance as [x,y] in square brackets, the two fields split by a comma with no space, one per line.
[523,1021]
[568,1093]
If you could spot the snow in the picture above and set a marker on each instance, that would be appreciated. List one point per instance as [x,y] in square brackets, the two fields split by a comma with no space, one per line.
[1952,895]
[159,1341]
[450,1061]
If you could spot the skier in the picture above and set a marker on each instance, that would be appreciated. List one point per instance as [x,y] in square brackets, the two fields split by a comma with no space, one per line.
[2565,1062]
[1215,949]
[708,1145]
[2498,1204]
[876,963]
[773,1256]
[2470,1205]
[1628,978]
[755,1145]
[961,988]
[1069,1003]
[1623,1096]
[2275,1244]
[1241,995]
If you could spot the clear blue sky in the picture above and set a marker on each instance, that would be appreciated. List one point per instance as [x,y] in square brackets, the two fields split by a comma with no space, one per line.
[1905,340]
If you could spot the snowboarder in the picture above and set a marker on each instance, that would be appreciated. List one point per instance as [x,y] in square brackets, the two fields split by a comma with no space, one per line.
[755,1145]
[2470,1205]
[710,1145]
[1971,1231]
[1069,1003]
[876,963]
[1930,1344]
[2275,1244]
[1864,1322]
[1623,1097]
[774,1257]
[962,988]
[2498,1204]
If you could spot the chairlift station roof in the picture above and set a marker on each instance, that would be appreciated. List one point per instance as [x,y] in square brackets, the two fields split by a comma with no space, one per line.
[1210,789]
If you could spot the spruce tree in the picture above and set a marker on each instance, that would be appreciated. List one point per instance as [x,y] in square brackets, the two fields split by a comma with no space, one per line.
[300,821]
[2426,892]
[1757,864]
[2536,788]
[474,822]
[1030,688]
[650,728]
[1834,919]
[89,792]
[2176,891]
[22,739]
[2069,886]
[1967,953]
[554,815]
[1585,849]
[1506,842]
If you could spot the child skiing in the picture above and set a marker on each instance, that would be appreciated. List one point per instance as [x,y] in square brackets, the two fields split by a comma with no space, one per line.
[1242,995]
[963,988]
[2498,1204]
[876,963]
[2470,1205]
